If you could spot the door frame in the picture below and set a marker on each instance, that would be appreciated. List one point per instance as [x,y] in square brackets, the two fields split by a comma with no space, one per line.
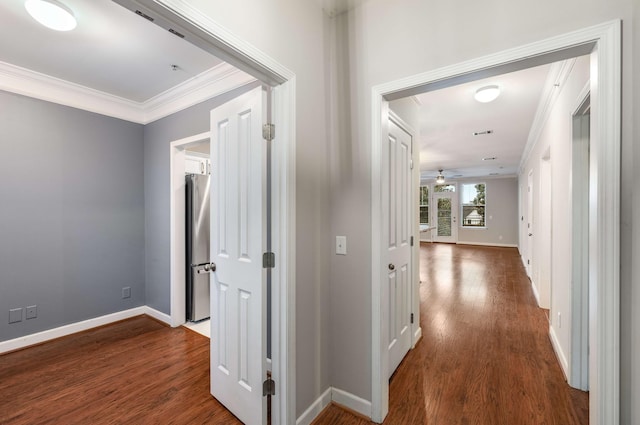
[177,236]
[529,229]
[603,42]
[204,32]
[578,372]
[455,213]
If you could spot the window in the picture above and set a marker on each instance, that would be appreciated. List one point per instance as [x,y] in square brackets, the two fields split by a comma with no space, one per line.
[473,205]
[424,204]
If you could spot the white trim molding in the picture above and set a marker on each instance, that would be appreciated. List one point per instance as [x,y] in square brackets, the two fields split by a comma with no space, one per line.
[315,409]
[557,349]
[211,83]
[72,328]
[499,245]
[603,43]
[353,402]
[553,86]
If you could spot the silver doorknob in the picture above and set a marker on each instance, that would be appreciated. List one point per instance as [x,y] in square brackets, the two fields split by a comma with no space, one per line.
[213,267]
[206,267]
[392,267]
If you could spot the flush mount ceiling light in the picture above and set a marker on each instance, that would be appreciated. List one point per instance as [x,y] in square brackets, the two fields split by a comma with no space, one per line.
[440,178]
[52,14]
[487,94]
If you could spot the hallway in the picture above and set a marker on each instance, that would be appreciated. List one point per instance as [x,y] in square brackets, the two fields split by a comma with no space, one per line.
[485,355]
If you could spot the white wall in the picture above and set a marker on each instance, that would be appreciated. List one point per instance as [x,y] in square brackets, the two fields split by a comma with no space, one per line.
[427,35]
[557,135]
[293,33]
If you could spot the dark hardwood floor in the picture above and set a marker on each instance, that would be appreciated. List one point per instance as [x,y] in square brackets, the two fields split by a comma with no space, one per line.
[485,355]
[137,371]
[485,358]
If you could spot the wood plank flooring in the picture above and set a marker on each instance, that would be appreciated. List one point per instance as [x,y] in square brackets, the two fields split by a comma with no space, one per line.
[485,355]
[485,358]
[137,371]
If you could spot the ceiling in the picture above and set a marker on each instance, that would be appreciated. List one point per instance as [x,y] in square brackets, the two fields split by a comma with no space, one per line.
[112,50]
[450,116]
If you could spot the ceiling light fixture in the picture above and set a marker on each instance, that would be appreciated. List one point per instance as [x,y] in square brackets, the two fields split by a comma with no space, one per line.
[440,178]
[52,14]
[487,94]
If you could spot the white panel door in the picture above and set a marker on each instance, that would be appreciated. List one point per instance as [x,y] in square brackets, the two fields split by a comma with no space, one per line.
[399,248]
[238,240]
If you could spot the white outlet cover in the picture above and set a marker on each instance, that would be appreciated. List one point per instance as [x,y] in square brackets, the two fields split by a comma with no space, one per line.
[341,245]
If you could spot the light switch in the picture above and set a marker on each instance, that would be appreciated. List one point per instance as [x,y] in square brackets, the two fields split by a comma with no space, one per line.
[341,245]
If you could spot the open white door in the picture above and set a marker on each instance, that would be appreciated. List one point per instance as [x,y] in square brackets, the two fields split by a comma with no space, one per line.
[398,245]
[238,241]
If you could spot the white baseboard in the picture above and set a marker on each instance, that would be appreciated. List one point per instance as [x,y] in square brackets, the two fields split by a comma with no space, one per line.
[502,245]
[351,401]
[158,315]
[417,335]
[535,292]
[564,364]
[337,396]
[48,335]
[315,409]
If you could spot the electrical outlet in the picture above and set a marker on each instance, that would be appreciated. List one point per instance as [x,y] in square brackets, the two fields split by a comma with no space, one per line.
[341,245]
[15,315]
[126,292]
[32,311]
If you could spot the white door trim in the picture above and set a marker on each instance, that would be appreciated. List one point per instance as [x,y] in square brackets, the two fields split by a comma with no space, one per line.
[604,230]
[177,230]
[204,32]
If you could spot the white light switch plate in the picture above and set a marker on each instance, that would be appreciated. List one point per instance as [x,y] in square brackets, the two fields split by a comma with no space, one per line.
[341,245]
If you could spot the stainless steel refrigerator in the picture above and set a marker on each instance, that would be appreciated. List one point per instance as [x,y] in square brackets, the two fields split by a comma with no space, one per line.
[197,249]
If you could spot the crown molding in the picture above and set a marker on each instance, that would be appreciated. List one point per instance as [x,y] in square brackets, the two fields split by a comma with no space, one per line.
[211,83]
[558,75]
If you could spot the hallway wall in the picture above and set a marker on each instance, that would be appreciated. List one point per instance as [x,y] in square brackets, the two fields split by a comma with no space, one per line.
[428,35]
[557,136]
[294,33]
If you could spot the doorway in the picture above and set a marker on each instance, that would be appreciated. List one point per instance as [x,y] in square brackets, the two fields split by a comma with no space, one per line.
[603,43]
[445,202]
[189,24]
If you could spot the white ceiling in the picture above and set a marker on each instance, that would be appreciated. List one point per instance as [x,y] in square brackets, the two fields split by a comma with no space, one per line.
[112,50]
[449,117]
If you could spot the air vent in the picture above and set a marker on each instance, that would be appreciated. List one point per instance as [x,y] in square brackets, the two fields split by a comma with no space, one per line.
[489,158]
[144,15]
[482,133]
[172,31]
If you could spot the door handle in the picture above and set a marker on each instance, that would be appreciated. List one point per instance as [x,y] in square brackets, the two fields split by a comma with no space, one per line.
[391,267]
[206,268]
[530,234]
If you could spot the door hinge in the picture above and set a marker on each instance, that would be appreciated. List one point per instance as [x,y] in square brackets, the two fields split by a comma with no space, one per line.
[268,387]
[268,132]
[528,262]
[411,164]
[412,318]
[411,241]
[268,260]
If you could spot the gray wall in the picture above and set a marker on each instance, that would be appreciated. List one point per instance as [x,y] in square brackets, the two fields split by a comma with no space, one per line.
[501,213]
[71,214]
[158,135]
